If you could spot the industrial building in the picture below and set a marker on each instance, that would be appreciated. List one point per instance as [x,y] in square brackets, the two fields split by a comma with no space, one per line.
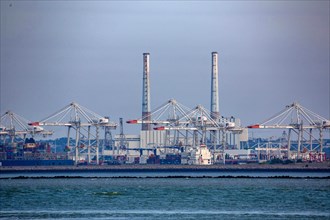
[175,129]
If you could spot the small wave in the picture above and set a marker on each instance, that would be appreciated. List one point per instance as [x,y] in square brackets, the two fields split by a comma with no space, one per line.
[108,193]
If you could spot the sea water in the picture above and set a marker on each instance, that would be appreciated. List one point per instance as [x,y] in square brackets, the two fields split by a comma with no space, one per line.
[164,198]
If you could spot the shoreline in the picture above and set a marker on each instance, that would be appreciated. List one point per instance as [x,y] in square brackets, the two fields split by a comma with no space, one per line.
[166,177]
[297,167]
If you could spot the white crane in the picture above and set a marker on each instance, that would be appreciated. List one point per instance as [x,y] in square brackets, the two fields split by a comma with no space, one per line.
[79,118]
[300,120]
[14,125]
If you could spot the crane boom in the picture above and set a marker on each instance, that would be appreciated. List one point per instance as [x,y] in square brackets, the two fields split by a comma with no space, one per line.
[281,126]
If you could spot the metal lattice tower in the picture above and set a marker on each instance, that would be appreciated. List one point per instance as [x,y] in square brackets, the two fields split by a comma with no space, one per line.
[108,140]
[122,138]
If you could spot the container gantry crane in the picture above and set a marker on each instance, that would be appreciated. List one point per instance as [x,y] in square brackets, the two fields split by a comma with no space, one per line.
[15,126]
[167,113]
[299,120]
[81,120]
[197,123]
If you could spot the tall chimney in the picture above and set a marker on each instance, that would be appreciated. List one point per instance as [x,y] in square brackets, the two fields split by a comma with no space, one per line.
[214,88]
[146,93]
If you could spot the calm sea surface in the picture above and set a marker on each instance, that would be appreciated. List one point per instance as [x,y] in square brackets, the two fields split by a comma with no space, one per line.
[163,198]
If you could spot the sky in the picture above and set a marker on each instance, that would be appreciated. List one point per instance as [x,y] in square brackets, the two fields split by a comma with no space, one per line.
[271,53]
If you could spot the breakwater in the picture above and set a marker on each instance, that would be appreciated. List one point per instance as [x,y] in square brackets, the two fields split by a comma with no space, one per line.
[308,167]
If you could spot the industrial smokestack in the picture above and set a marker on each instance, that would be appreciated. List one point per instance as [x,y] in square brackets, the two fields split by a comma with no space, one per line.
[214,88]
[146,93]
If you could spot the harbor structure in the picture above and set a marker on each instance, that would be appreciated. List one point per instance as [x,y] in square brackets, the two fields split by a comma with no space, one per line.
[183,129]
[174,133]
[303,123]
[86,124]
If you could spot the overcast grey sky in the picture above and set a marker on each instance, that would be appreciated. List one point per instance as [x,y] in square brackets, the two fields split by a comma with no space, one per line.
[270,54]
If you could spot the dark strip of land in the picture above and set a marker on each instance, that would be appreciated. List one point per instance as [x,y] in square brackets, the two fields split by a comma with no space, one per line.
[296,167]
[165,177]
